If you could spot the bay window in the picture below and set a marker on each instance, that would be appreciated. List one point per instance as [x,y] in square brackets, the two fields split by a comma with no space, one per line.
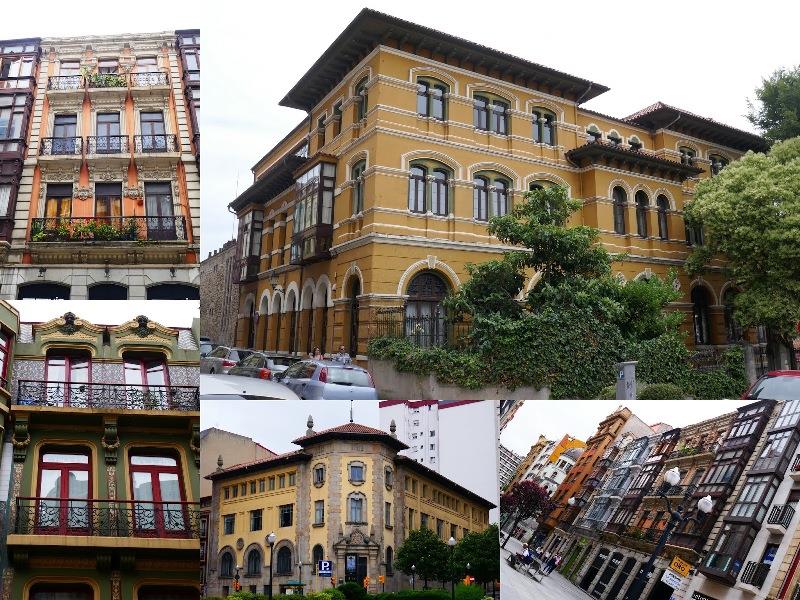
[313,213]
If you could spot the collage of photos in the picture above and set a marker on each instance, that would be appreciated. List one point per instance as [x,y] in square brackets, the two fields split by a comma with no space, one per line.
[449,319]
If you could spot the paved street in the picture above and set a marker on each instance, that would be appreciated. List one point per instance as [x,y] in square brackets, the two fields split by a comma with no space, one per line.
[517,586]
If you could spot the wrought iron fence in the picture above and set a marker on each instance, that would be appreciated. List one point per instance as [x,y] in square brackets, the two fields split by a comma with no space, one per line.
[755,573]
[156,142]
[61,146]
[426,331]
[149,79]
[95,229]
[108,395]
[107,518]
[107,144]
[65,82]
[781,514]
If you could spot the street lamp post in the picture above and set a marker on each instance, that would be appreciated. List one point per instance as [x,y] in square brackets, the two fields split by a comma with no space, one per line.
[236,579]
[271,541]
[682,514]
[413,577]
[452,543]
[300,575]
[466,572]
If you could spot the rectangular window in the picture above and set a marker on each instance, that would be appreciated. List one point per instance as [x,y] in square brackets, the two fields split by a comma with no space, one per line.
[146,64]
[244,489]
[387,514]
[291,478]
[423,521]
[235,490]
[226,493]
[356,510]
[755,497]
[107,66]
[440,529]
[229,524]
[255,519]
[108,200]
[271,483]
[453,531]
[252,487]
[69,67]
[356,473]
[319,512]
[319,475]
[281,481]
[285,513]
[5,198]
[161,222]
[262,485]
[410,519]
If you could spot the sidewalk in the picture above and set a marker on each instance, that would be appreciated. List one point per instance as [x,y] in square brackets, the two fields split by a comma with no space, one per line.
[517,586]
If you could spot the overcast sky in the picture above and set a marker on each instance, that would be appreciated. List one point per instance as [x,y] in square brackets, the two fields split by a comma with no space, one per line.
[706,57]
[580,418]
[275,423]
[170,313]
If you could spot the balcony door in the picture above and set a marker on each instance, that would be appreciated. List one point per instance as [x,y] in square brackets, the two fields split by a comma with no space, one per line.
[158,496]
[146,381]
[65,128]
[108,204]
[67,379]
[108,140]
[64,484]
[58,204]
[160,214]
[154,138]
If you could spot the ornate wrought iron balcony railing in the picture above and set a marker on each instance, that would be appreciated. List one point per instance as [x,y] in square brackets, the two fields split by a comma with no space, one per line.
[107,144]
[67,146]
[108,395]
[107,518]
[162,142]
[755,574]
[150,79]
[106,80]
[692,451]
[781,514]
[65,82]
[108,229]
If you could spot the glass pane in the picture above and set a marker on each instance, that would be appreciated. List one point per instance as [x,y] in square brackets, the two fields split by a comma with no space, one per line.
[78,511]
[161,461]
[144,513]
[171,491]
[65,458]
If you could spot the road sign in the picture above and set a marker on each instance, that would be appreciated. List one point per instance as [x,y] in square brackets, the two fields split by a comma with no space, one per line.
[380,579]
[324,568]
[672,579]
[680,566]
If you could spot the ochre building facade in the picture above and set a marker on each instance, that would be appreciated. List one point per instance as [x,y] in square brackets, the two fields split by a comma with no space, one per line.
[413,139]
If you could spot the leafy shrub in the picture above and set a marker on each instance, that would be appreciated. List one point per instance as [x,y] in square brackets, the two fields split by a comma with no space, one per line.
[608,393]
[728,382]
[353,591]
[660,391]
[469,592]
[327,594]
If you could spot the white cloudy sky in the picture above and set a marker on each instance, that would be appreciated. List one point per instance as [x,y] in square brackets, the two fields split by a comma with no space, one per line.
[170,313]
[579,418]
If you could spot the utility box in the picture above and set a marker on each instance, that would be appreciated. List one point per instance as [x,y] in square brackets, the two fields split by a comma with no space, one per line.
[626,380]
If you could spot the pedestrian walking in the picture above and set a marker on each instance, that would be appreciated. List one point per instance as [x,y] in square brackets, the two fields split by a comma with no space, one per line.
[554,561]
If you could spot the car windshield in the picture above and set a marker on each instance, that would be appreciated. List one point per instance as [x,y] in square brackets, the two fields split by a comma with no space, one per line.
[283,361]
[237,355]
[782,387]
[354,377]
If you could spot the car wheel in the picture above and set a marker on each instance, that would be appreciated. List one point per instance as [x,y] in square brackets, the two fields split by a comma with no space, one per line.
[211,372]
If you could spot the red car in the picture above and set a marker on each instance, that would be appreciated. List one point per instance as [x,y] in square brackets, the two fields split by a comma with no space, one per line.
[775,385]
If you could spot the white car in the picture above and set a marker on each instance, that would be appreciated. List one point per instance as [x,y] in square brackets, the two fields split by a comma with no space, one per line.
[235,387]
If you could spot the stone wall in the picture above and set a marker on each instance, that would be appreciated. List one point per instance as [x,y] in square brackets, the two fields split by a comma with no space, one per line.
[219,294]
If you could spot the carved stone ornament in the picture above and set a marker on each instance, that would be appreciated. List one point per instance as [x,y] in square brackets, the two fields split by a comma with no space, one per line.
[59,175]
[108,174]
[143,328]
[69,326]
[156,173]
[82,193]
[133,191]
[357,537]
[239,544]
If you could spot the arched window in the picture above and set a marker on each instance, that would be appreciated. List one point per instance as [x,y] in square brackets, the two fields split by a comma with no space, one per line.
[65,480]
[700,315]
[172,291]
[389,560]
[694,235]
[489,185]
[490,113]
[43,291]
[717,163]
[416,189]
[356,508]
[614,137]
[431,98]
[620,198]
[687,155]
[544,127]
[425,323]
[226,565]
[362,99]
[662,202]
[733,331]
[67,591]
[593,134]
[642,206]
[283,566]
[317,554]
[357,174]
[108,291]
[635,143]
[439,192]
[254,562]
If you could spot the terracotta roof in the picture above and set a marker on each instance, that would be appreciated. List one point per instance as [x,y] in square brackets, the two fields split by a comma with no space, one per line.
[600,149]
[660,115]
[413,465]
[351,431]
[262,463]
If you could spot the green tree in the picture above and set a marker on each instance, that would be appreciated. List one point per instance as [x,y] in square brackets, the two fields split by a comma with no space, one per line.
[777,114]
[482,552]
[524,500]
[750,214]
[423,549]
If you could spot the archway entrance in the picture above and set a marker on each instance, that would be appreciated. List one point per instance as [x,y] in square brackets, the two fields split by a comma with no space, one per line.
[355,292]
[700,316]
[108,291]
[43,291]
[425,318]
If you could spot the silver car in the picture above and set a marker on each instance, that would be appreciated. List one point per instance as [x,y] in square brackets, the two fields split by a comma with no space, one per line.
[222,358]
[232,387]
[328,380]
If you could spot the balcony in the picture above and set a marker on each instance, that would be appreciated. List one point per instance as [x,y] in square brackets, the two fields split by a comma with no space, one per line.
[604,463]
[753,576]
[117,240]
[106,518]
[249,268]
[113,150]
[60,151]
[115,396]
[107,85]
[66,88]
[779,518]
[156,149]
[311,245]
[691,453]
[144,85]
[794,471]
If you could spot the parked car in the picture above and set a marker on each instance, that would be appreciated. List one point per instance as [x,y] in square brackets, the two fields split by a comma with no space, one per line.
[233,387]
[262,366]
[775,385]
[328,380]
[206,348]
[222,358]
